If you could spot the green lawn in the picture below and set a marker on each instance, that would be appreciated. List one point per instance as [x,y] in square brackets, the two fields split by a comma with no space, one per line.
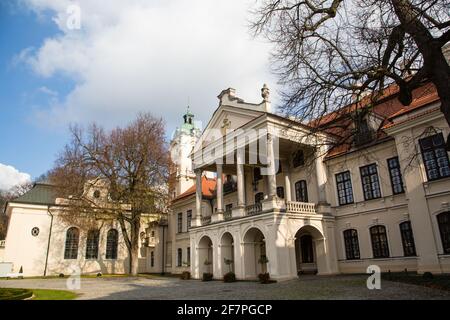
[39,294]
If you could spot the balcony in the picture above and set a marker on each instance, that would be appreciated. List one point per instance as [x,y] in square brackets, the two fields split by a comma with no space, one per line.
[253,209]
[206,220]
[300,207]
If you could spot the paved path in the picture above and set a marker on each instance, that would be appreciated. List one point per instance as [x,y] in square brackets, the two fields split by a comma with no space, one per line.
[306,287]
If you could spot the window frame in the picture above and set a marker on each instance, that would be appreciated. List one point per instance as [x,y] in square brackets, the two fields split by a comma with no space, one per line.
[422,151]
[298,193]
[180,222]
[391,176]
[92,243]
[377,247]
[408,242]
[112,245]
[280,192]
[336,176]
[351,247]
[294,157]
[179,257]
[71,249]
[188,219]
[370,175]
[444,233]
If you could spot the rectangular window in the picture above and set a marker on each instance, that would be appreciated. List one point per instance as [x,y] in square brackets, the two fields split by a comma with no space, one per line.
[351,244]
[301,191]
[409,248]
[370,182]
[280,192]
[92,244]
[152,259]
[189,219]
[179,257]
[180,223]
[344,188]
[188,255]
[379,240]
[396,175]
[435,157]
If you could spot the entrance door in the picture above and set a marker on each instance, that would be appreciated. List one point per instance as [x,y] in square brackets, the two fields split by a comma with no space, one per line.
[306,262]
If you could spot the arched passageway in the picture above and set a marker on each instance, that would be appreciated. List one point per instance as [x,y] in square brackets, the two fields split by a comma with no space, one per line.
[227,253]
[205,255]
[255,259]
[309,250]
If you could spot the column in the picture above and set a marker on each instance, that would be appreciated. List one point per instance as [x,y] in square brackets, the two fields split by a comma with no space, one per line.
[240,176]
[218,216]
[219,188]
[198,199]
[287,181]
[272,177]
[321,176]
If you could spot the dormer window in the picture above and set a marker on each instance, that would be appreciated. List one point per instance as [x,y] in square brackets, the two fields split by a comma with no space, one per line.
[363,132]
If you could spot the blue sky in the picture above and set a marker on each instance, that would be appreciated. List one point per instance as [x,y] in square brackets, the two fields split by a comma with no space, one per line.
[127,57]
[26,146]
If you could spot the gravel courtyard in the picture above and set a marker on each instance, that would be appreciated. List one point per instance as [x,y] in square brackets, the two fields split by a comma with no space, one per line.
[166,288]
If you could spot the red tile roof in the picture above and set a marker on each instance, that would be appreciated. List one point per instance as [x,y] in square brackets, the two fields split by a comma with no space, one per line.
[208,188]
[388,107]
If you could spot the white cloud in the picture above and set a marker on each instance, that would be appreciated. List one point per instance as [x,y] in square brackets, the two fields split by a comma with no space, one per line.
[141,55]
[10,177]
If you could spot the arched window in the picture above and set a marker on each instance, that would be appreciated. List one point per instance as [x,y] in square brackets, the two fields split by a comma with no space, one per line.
[179,257]
[380,245]
[71,247]
[351,244]
[112,241]
[92,244]
[444,229]
[409,248]
[301,191]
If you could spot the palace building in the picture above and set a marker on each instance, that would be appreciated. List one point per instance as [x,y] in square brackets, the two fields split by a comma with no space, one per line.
[345,194]
[255,192]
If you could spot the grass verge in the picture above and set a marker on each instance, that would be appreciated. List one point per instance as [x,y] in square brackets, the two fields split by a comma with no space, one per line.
[38,294]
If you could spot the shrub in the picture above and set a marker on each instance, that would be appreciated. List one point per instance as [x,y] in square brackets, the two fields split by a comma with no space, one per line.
[207,276]
[186,275]
[264,277]
[229,277]
[61,275]
[99,274]
[427,275]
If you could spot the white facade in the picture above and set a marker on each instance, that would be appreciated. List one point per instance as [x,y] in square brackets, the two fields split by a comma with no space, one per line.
[394,230]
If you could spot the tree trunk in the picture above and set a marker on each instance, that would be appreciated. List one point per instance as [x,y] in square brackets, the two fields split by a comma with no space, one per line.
[435,65]
[134,248]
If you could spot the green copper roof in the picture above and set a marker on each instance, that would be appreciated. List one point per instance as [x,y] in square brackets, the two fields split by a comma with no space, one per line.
[39,194]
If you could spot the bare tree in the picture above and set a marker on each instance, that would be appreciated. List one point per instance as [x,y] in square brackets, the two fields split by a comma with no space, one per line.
[330,53]
[132,164]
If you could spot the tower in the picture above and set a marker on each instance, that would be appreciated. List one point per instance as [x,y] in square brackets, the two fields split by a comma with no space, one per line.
[184,139]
